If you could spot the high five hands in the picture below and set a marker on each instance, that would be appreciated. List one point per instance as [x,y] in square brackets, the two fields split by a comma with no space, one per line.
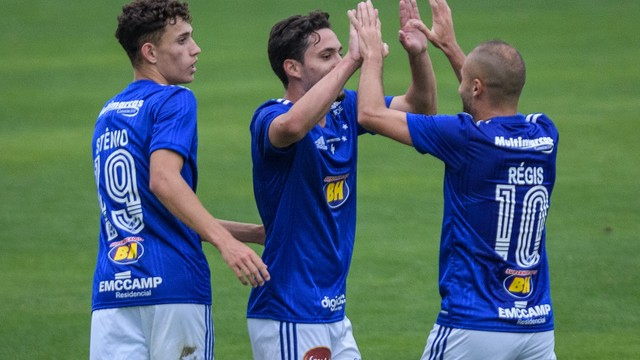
[414,35]
[367,24]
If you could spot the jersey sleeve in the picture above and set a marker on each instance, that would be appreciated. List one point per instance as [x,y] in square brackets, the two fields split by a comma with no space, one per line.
[175,126]
[354,105]
[443,136]
[260,124]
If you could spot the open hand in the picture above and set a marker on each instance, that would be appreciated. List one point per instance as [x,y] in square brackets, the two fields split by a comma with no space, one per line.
[366,23]
[411,37]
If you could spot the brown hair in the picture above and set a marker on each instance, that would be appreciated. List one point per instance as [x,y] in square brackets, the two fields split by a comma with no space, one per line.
[289,39]
[143,21]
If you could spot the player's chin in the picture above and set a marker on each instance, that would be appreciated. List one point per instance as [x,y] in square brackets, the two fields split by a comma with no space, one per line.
[340,96]
[187,79]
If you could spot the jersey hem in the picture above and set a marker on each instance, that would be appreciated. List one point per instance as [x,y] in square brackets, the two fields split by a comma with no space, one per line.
[296,320]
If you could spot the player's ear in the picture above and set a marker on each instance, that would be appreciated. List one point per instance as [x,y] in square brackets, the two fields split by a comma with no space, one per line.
[478,87]
[149,52]
[292,68]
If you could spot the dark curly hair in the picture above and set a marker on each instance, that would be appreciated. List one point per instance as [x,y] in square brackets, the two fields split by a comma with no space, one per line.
[143,21]
[289,39]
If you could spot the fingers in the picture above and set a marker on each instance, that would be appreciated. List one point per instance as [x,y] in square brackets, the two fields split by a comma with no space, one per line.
[439,8]
[353,19]
[245,263]
[366,22]
[251,270]
[367,14]
[413,9]
[408,10]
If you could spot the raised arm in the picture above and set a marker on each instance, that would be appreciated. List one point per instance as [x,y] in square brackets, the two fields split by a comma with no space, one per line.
[442,34]
[312,104]
[421,95]
[372,111]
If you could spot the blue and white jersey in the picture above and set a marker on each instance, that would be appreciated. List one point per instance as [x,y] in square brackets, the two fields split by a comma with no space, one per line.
[306,196]
[499,175]
[146,255]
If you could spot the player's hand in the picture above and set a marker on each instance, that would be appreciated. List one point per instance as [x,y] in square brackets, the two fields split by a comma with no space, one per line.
[246,264]
[411,37]
[366,23]
[441,34]
[354,43]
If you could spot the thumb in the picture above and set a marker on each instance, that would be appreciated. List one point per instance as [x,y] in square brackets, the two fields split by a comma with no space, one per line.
[420,26]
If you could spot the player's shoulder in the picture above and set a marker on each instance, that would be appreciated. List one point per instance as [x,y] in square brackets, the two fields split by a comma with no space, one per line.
[541,120]
[278,106]
[536,118]
[177,90]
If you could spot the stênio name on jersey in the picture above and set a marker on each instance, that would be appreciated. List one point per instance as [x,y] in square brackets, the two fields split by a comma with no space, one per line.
[544,144]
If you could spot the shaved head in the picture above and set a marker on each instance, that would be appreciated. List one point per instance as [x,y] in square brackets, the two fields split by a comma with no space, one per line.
[500,67]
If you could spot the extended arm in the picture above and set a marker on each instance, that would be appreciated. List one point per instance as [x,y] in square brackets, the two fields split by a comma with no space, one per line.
[372,111]
[311,105]
[174,193]
[421,96]
[442,35]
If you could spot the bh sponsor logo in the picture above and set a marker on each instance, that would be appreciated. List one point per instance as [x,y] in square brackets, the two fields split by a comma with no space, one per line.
[126,251]
[319,353]
[336,190]
[335,304]
[519,283]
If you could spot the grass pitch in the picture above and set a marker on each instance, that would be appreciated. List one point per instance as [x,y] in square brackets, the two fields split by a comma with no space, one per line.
[60,63]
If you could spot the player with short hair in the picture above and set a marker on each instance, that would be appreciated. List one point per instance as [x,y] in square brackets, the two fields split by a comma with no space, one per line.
[500,169]
[152,286]
[304,151]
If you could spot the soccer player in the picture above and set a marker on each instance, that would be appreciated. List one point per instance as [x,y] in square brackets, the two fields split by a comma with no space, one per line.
[304,151]
[151,289]
[500,168]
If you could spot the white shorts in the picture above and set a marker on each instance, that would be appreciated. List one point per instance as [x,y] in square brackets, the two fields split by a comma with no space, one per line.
[445,343]
[157,332]
[278,340]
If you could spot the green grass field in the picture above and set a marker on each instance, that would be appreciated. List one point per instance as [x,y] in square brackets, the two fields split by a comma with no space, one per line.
[60,62]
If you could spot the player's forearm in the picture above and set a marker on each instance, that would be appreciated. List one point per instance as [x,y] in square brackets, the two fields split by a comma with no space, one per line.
[245,232]
[176,195]
[456,57]
[373,113]
[311,107]
[315,104]
[421,96]
[371,102]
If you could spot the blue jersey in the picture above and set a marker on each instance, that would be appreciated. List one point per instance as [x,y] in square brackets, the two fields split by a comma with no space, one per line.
[146,255]
[499,175]
[306,196]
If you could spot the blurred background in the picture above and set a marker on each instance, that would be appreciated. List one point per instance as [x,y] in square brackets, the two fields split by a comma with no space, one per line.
[60,63]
